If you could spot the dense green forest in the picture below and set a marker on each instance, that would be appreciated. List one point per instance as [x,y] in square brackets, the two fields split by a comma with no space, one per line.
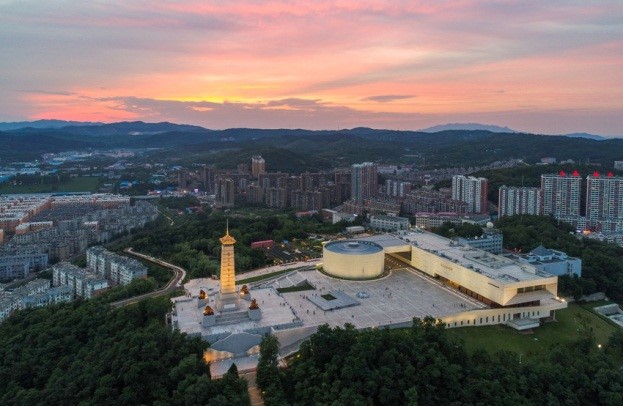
[422,365]
[465,230]
[602,263]
[194,243]
[87,353]
[294,150]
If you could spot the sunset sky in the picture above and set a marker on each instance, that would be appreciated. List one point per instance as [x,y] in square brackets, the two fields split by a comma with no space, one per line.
[543,66]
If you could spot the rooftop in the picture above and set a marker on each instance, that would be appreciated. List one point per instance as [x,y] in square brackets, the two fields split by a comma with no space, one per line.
[352,247]
[493,266]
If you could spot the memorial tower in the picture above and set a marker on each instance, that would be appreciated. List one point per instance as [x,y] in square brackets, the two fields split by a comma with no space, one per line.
[228,268]
[228,296]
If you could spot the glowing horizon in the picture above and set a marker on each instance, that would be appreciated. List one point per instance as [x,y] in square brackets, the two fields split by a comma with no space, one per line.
[543,67]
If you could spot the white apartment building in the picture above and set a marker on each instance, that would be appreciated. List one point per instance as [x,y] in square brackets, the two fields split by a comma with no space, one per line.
[561,194]
[118,269]
[82,282]
[36,293]
[519,200]
[472,191]
[604,197]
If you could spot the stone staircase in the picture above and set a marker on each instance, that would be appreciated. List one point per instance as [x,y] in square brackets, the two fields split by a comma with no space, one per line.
[232,318]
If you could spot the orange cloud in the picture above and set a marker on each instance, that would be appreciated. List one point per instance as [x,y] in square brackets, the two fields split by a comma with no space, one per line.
[464,60]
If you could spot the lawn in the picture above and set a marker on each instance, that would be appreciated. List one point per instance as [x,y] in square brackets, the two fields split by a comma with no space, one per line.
[566,329]
[80,184]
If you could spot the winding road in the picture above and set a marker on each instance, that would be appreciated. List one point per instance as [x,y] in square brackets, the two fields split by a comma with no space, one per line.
[174,284]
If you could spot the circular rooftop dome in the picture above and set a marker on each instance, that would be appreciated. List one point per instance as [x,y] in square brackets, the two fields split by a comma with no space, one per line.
[353,247]
[353,259]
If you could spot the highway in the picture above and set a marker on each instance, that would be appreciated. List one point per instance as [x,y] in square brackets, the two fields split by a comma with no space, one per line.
[174,284]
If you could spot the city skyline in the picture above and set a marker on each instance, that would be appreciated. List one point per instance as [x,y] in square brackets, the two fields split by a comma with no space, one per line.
[532,66]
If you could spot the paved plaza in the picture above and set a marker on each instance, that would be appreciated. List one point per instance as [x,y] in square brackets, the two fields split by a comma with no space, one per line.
[389,301]
[275,310]
[393,300]
[396,298]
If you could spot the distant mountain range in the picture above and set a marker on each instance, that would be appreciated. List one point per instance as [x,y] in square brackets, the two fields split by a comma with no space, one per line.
[586,135]
[41,124]
[101,129]
[498,129]
[293,150]
[468,127]
[142,128]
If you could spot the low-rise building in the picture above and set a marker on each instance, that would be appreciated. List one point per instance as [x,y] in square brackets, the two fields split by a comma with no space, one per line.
[35,286]
[12,268]
[17,261]
[355,229]
[389,223]
[124,270]
[34,226]
[491,241]
[36,293]
[118,269]
[7,306]
[83,283]
[551,261]
[337,216]
[432,220]
[51,296]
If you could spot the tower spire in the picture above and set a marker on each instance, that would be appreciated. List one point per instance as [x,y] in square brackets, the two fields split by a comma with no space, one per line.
[228,271]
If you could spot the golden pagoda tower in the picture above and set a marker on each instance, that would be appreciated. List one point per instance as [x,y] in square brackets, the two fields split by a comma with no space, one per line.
[228,268]
[227,298]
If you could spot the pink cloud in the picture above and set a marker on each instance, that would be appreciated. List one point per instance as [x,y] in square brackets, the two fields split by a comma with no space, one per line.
[456,56]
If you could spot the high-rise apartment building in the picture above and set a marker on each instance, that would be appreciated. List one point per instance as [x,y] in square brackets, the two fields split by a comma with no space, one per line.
[561,194]
[519,200]
[604,196]
[182,178]
[364,181]
[472,191]
[272,179]
[342,180]
[397,188]
[225,192]
[258,166]
[207,178]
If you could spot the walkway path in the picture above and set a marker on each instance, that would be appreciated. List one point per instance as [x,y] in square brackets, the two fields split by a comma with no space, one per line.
[174,284]
[276,268]
[254,391]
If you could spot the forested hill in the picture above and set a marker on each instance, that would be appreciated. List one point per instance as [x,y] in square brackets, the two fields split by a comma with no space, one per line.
[87,353]
[424,365]
[440,149]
